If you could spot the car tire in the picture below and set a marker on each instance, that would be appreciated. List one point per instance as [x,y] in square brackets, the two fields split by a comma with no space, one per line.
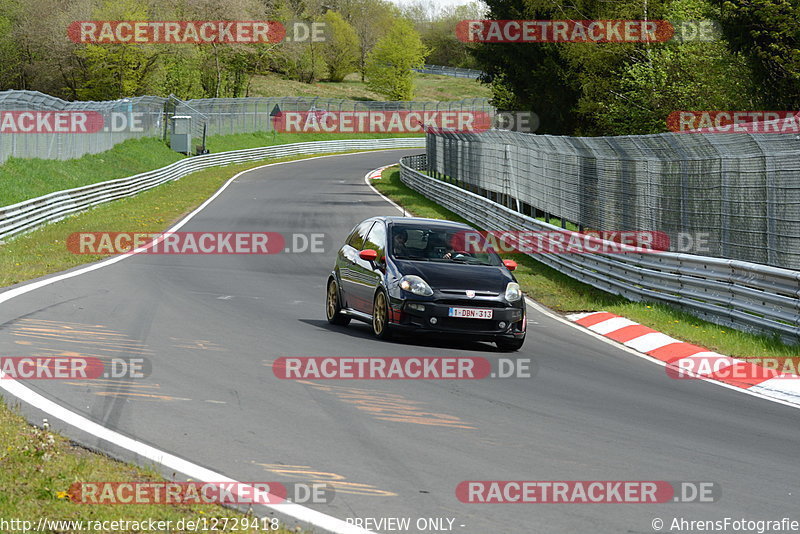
[333,308]
[380,316]
[509,345]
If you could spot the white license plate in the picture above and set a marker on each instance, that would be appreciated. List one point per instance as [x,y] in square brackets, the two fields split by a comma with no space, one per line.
[470,313]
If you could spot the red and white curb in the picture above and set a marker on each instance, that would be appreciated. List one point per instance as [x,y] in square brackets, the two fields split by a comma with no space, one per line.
[685,360]
[376,174]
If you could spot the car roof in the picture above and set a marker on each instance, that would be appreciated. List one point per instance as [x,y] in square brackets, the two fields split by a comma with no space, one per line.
[442,223]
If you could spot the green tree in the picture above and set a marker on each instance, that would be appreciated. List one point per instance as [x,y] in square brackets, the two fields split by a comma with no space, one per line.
[342,47]
[299,60]
[390,62]
[11,59]
[439,34]
[371,19]
[179,73]
[46,59]
[34,56]
[118,70]
[531,76]
[224,70]
[687,77]
[307,63]
[613,88]
[768,32]
[649,82]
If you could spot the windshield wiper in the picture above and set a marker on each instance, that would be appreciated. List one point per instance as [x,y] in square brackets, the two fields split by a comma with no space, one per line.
[417,258]
[468,259]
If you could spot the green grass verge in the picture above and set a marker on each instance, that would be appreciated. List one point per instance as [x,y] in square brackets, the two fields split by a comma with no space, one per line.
[427,87]
[22,179]
[38,467]
[224,143]
[566,295]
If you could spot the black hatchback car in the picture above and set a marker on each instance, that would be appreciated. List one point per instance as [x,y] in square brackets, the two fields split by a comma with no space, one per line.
[426,276]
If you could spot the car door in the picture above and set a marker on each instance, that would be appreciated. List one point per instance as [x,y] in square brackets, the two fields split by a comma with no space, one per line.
[371,272]
[351,271]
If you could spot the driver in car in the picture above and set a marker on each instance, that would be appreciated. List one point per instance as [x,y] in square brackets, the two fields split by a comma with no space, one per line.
[399,243]
[455,248]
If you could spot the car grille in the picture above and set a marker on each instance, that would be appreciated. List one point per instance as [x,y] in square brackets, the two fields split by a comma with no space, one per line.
[472,303]
[463,292]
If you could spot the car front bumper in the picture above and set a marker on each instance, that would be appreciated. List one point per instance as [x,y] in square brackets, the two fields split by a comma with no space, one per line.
[433,317]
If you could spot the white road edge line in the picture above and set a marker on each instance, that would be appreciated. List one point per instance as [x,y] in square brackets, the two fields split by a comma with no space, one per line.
[541,309]
[194,471]
[384,197]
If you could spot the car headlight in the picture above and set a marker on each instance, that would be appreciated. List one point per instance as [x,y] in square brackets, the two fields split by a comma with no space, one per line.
[416,285]
[513,292]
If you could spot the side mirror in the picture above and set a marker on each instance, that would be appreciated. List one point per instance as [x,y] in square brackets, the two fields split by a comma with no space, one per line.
[510,264]
[368,255]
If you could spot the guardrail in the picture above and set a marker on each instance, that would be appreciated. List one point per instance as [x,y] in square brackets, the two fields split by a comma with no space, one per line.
[455,72]
[746,296]
[35,212]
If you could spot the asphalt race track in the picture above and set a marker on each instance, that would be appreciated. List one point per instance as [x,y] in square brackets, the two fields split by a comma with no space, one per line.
[212,325]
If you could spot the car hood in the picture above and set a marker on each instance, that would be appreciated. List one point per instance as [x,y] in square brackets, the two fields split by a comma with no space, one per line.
[440,275]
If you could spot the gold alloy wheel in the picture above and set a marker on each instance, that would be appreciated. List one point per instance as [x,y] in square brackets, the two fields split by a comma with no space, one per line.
[332,308]
[379,314]
[333,300]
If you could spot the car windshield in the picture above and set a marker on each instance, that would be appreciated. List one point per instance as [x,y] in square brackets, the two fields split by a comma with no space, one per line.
[454,245]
